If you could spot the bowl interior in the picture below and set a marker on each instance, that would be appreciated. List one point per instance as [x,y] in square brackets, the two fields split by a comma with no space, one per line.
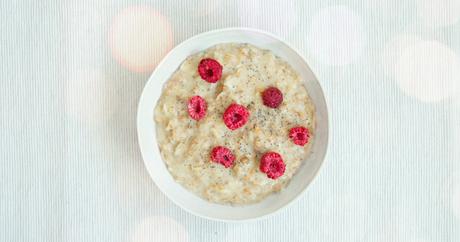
[147,135]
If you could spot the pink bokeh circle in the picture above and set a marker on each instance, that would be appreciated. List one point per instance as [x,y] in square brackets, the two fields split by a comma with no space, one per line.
[139,37]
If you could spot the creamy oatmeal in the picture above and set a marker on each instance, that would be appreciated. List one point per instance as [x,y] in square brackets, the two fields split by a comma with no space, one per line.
[186,143]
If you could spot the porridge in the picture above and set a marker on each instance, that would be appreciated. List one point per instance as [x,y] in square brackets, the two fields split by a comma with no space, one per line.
[234,123]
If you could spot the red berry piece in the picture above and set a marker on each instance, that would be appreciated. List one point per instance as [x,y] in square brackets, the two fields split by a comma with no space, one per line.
[210,70]
[235,116]
[299,135]
[272,164]
[223,156]
[197,107]
[272,97]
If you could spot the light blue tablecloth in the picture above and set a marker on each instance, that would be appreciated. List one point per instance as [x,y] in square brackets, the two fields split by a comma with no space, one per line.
[71,74]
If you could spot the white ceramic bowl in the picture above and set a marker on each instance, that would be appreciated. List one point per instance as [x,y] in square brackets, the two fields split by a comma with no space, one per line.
[151,153]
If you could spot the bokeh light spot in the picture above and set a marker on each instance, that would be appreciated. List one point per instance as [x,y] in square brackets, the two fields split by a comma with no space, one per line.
[336,36]
[160,229]
[438,13]
[139,38]
[428,71]
[393,50]
[88,97]
[454,197]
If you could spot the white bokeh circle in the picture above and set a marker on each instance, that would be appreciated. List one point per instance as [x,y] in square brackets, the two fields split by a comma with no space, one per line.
[345,218]
[268,15]
[336,36]
[457,100]
[428,71]
[139,37]
[389,11]
[453,193]
[88,96]
[86,27]
[439,13]
[455,202]
[399,228]
[205,7]
[393,50]
[160,229]
[390,237]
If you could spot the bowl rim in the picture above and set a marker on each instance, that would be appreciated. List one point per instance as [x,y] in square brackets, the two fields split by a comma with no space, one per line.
[297,196]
